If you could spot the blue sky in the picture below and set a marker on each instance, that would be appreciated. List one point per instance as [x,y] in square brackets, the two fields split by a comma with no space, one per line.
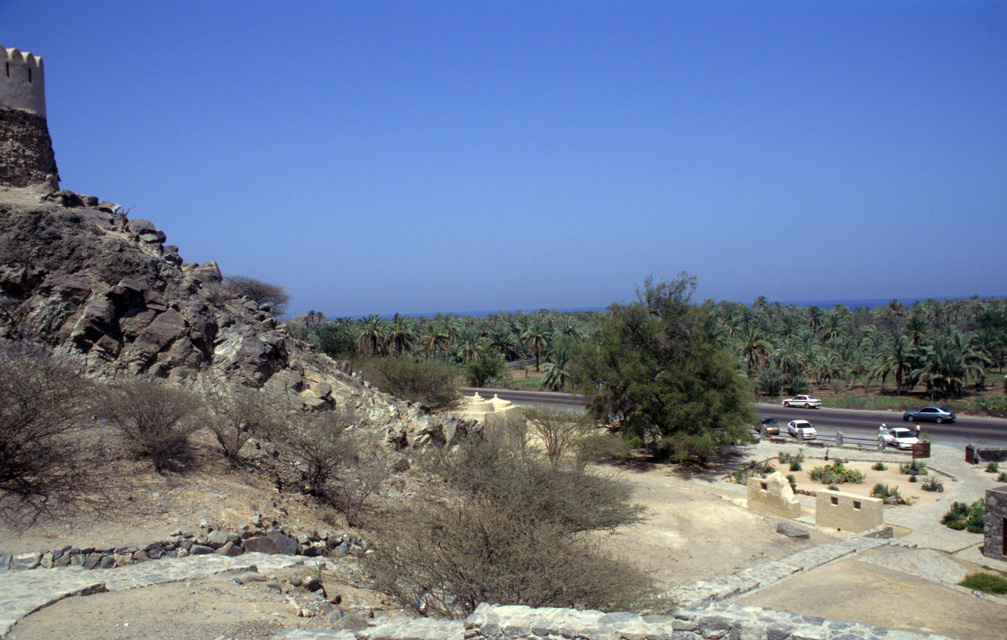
[421,156]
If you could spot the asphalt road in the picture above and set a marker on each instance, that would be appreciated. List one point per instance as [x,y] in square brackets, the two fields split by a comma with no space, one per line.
[864,424]
[852,422]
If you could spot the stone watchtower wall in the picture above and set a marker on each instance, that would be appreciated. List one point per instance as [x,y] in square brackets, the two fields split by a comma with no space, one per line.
[26,155]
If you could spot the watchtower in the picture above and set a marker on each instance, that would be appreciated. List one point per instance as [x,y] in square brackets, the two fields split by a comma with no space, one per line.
[26,155]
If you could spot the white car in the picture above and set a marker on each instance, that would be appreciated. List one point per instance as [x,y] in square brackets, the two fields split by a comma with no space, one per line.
[803,401]
[805,428]
[898,437]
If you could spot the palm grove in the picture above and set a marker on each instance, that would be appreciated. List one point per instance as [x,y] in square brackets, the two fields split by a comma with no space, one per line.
[940,349]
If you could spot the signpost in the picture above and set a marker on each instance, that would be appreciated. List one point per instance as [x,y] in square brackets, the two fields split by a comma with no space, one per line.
[921,449]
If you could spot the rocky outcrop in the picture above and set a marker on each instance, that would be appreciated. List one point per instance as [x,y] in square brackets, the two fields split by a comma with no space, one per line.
[104,291]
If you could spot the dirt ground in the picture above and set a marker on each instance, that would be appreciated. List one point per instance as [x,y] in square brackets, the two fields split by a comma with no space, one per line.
[696,529]
[863,592]
[136,506]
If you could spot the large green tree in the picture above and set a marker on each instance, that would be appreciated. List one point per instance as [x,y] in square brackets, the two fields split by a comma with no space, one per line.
[657,374]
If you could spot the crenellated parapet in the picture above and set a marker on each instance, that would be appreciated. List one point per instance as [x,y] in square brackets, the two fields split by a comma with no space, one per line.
[22,81]
[26,155]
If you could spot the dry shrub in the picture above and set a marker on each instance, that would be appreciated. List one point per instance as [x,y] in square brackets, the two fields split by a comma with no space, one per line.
[446,558]
[235,416]
[559,431]
[325,456]
[44,407]
[261,292]
[217,293]
[155,419]
[510,528]
[427,382]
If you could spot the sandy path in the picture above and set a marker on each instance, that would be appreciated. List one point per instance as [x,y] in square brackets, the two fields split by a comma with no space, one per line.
[696,529]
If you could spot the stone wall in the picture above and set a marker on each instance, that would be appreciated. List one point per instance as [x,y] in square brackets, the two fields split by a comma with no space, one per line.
[254,538]
[977,455]
[773,496]
[847,511]
[26,155]
[995,543]
[711,622]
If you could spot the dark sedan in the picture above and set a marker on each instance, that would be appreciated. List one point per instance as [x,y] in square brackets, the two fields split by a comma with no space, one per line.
[930,414]
[771,426]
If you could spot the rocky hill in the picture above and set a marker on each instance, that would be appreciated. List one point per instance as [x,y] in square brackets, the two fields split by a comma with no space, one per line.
[106,292]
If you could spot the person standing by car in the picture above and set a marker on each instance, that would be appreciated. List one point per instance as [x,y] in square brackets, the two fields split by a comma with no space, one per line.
[917,432]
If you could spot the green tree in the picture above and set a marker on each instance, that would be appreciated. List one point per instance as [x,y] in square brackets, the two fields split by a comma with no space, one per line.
[659,376]
[336,339]
[485,369]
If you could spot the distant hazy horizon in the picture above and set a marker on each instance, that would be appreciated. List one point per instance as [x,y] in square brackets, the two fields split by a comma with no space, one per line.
[870,303]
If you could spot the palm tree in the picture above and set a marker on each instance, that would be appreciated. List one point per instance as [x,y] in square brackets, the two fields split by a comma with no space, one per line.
[469,346]
[401,334]
[836,323]
[917,327]
[372,335]
[815,318]
[503,340]
[755,349]
[788,357]
[558,369]
[436,336]
[856,362]
[536,338]
[943,368]
[895,359]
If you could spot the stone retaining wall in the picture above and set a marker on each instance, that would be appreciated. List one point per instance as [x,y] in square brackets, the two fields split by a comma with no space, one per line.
[26,155]
[208,540]
[711,622]
[995,535]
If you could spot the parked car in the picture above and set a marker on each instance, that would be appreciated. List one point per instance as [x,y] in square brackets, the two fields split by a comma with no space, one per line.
[803,401]
[930,414]
[899,437]
[805,428]
[770,424]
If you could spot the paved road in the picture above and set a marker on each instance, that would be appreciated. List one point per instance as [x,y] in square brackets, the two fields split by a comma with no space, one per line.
[864,424]
[852,422]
